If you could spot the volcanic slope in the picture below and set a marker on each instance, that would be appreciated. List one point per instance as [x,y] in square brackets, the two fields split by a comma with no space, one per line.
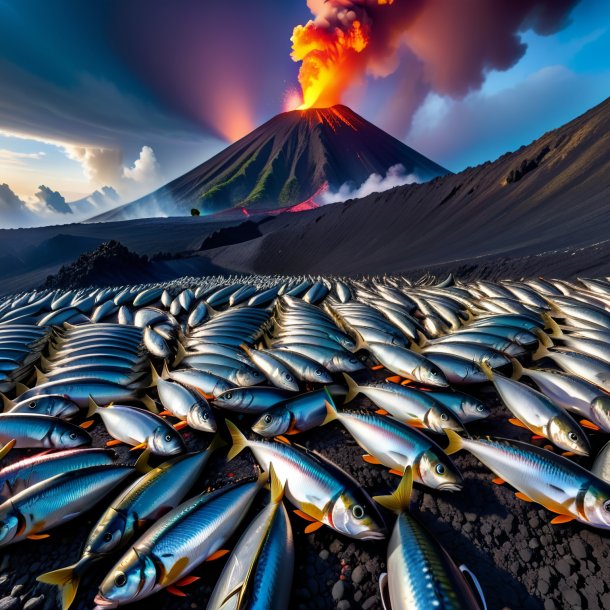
[551,195]
[283,163]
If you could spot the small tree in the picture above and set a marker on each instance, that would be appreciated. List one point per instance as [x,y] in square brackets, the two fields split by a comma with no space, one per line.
[195,212]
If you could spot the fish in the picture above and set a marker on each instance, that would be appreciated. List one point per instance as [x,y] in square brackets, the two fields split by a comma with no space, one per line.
[139,428]
[467,408]
[193,532]
[274,370]
[186,405]
[298,414]
[420,575]
[408,405]
[31,431]
[540,415]
[258,574]
[458,370]
[254,399]
[55,405]
[408,364]
[206,383]
[303,367]
[26,472]
[57,500]
[319,489]
[551,480]
[392,444]
[142,503]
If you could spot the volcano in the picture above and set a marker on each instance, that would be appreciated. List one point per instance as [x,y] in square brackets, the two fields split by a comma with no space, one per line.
[283,164]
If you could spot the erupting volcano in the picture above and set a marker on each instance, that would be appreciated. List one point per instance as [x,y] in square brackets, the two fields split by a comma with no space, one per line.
[284,163]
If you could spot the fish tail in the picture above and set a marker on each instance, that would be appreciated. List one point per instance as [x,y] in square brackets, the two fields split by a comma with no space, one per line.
[456,442]
[40,376]
[142,466]
[331,412]
[399,501]
[277,487]
[5,450]
[20,388]
[7,403]
[149,403]
[541,352]
[360,343]
[544,338]
[556,331]
[352,389]
[484,364]
[67,579]
[240,442]
[517,369]
[180,355]
[45,364]
[93,407]
[246,349]
[165,374]
[154,376]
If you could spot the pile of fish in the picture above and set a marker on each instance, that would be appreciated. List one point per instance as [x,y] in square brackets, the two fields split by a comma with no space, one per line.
[253,362]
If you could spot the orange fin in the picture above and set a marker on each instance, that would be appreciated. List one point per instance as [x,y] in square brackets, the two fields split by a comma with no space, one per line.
[498,481]
[568,453]
[517,422]
[172,590]
[38,536]
[166,413]
[562,519]
[585,423]
[303,515]
[114,442]
[180,425]
[381,412]
[415,423]
[394,379]
[186,581]
[370,459]
[282,439]
[87,424]
[377,367]
[549,447]
[218,554]
[398,472]
[140,446]
[523,497]
[312,527]
[537,437]
[405,382]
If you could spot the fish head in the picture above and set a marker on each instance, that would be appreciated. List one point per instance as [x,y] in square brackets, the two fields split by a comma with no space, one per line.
[347,363]
[134,577]
[320,374]
[166,441]
[354,514]
[69,438]
[430,374]
[437,471]
[439,418]
[56,405]
[474,408]
[601,408]
[109,534]
[347,343]
[596,504]
[568,435]
[234,398]
[9,524]
[200,417]
[273,422]
[248,377]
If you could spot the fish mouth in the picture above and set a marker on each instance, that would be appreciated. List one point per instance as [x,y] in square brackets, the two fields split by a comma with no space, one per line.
[102,602]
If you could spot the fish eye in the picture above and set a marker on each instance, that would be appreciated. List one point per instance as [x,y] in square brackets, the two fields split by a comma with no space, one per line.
[288,377]
[433,373]
[120,580]
[479,408]
[107,537]
[32,405]
[444,417]
[572,436]
[607,506]
[440,469]
[168,437]
[229,395]
[267,419]
[204,416]
[72,435]
[318,372]
[358,511]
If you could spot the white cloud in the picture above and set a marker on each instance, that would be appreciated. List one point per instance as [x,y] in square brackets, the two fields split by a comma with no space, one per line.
[145,168]
[14,156]
[375,183]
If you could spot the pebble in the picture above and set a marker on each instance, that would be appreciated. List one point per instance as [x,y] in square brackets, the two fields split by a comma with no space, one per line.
[33,602]
[338,590]
[9,603]
[357,575]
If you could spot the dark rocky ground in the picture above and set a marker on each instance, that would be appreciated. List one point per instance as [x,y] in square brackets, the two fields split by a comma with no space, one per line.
[521,560]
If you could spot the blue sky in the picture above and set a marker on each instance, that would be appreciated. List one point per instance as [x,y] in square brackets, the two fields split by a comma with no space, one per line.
[133,93]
